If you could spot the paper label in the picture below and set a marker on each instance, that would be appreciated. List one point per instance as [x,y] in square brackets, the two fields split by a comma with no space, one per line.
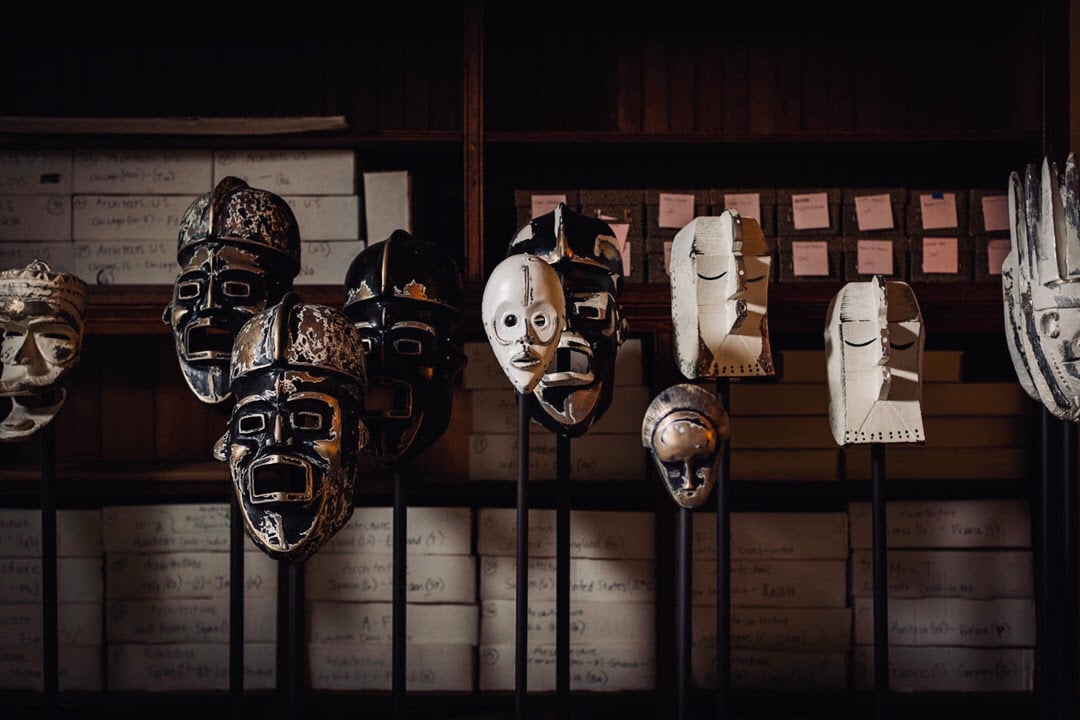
[940,255]
[810,211]
[36,217]
[33,173]
[60,256]
[591,580]
[747,204]
[947,523]
[593,533]
[543,204]
[995,213]
[874,212]
[675,211]
[996,250]
[290,172]
[874,257]
[326,217]
[621,230]
[326,263]
[129,217]
[810,257]
[938,210]
[127,172]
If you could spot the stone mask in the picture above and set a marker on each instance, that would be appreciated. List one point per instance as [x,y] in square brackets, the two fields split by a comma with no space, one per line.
[41,334]
[685,429]
[295,432]
[577,385]
[404,297]
[720,268]
[874,343]
[239,250]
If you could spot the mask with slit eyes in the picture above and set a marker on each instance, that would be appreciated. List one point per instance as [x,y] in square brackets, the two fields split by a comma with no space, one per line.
[685,429]
[403,295]
[576,387]
[720,268]
[239,250]
[41,333]
[873,344]
[295,432]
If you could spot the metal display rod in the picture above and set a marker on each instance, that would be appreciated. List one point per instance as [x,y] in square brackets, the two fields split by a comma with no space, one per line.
[682,614]
[562,577]
[50,609]
[881,581]
[398,614]
[236,609]
[723,567]
[521,595]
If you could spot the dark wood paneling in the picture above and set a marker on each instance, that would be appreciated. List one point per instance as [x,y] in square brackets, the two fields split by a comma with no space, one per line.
[682,88]
[736,88]
[127,399]
[179,418]
[629,110]
[655,80]
[710,88]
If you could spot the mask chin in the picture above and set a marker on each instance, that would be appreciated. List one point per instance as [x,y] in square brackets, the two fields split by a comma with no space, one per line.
[393,419]
[209,381]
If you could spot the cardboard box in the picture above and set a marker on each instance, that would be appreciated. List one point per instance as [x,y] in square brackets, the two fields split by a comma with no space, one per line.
[952,253]
[635,261]
[989,212]
[951,399]
[60,256]
[949,669]
[946,212]
[186,575]
[429,530]
[189,527]
[80,668]
[774,583]
[874,211]
[775,535]
[194,620]
[364,577]
[387,204]
[534,203]
[969,574]
[78,533]
[129,217]
[591,580]
[593,533]
[808,211]
[35,172]
[593,668]
[807,433]
[773,671]
[658,264]
[326,263]
[757,203]
[362,623]
[143,172]
[865,257]
[591,623]
[78,580]
[611,456]
[769,628]
[990,252]
[496,411]
[290,172]
[327,217]
[946,524]
[954,622]
[183,667]
[126,262]
[35,218]
[428,667]
[808,366]
[810,259]
[79,624]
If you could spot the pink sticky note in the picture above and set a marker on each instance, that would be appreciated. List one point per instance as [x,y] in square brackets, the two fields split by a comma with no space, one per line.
[874,257]
[676,211]
[996,250]
[746,204]
[940,255]
[873,212]
[995,212]
[810,211]
[621,230]
[938,210]
[667,257]
[810,257]
[543,204]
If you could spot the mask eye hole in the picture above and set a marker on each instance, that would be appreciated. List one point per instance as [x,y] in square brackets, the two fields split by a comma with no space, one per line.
[539,321]
[407,346]
[510,320]
[253,423]
[235,288]
[55,336]
[1050,325]
[305,420]
[187,290]
[367,344]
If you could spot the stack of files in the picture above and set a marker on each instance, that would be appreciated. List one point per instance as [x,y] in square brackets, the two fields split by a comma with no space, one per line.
[610,450]
[79,595]
[35,209]
[790,623]
[167,600]
[349,595]
[961,614]
[612,600]
[974,430]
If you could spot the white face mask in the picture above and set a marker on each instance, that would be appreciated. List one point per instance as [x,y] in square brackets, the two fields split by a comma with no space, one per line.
[720,267]
[524,311]
[873,343]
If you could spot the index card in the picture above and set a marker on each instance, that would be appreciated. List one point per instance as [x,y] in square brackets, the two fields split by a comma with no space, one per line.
[810,257]
[675,210]
[543,204]
[873,212]
[746,204]
[810,211]
[995,213]
[940,255]
[996,250]
[938,210]
[874,257]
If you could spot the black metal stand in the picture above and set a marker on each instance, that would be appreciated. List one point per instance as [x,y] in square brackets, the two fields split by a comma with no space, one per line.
[1069,569]
[236,609]
[1046,615]
[50,652]
[290,647]
[398,617]
[682,613]
[723,567]
[881,581]
[521,596]
[562,577]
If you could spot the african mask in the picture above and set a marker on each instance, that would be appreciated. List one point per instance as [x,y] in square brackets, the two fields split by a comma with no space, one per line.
[685,429]
[41,333]
[404,295]
[873,344]
[239,250]
[1016,290]
[523,311]
[1046,240]
[575,389]
[295,432]
[720,267]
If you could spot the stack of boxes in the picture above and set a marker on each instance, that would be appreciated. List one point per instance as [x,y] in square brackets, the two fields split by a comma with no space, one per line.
[349,595]
[790,623]
[612,600]
[79,596]
[167,600]
[961,617]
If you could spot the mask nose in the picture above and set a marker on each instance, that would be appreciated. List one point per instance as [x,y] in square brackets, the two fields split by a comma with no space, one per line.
[279,433]
[30,357]
[208,300]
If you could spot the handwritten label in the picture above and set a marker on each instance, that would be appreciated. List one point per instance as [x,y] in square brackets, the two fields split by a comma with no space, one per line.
[373,622]
[779,583]
[995,213]
[543,204]
[596,580]
[33,173]
[810,211]
[78,533]
[79,668]
[143,172]
[187,666]
[111,262]
[365,577]
[430,530]
[938,210]
[946,524]
[590,622]
[326,217]
[621,230]
[675,210]
[290,172]
[186,575]
[325,263]
[36,217]
[187,620]
[940,255]
[128,217]
[873,212]
[78,580]
[593,533]
[810,257]
[446,668]
[190,527]
[874,257]
[60,256]
[996,250]
[746,204]
[610,667]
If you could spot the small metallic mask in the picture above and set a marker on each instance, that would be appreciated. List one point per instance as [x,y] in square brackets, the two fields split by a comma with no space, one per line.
[295,432]
[720,268]
[239,250]
[404,297]
[874,344]
[41,334]
[685,430]
[577,384]
[524,311]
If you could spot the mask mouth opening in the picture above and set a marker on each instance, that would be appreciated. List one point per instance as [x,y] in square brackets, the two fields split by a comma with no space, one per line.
[280,478]
[204,341]
[525,359]
[388,398]
[571,366]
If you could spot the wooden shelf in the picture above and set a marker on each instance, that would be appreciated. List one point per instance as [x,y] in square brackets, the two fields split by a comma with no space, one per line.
[322,139]
[972,137]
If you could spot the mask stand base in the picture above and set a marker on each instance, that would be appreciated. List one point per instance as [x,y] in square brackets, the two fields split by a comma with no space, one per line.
[562,577]
[236,608]
[291,654]
[723,566]
[881,581]
[1069,563]
[398,617]
[50,609]
[521,591]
